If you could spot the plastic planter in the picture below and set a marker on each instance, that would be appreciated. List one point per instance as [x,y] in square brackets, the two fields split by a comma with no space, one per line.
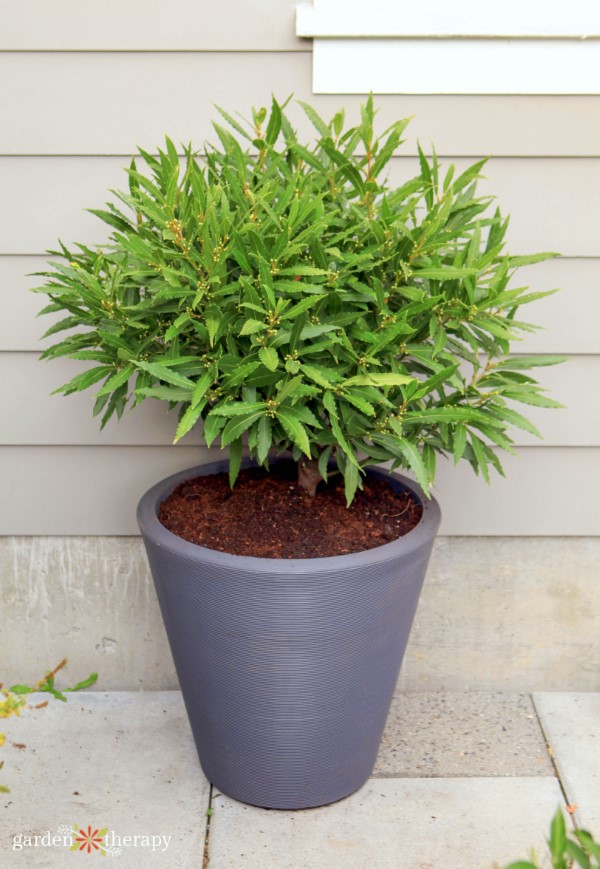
[287,667]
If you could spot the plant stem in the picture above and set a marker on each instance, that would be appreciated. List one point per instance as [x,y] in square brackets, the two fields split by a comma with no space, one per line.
[308,476]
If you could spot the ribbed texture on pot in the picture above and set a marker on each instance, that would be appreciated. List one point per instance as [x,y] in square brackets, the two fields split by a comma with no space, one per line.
[287,667]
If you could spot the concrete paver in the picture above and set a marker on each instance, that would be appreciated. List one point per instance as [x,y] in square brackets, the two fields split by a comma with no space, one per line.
[474,734]
[447,823]
[572,725]
[122,760]
[462,782]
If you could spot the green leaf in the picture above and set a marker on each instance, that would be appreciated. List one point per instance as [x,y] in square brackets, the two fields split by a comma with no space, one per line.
[577,853]
[480,456]
[85,379]
[20,689]
[188,420]
[518,261]
[351,481]
[269,357]
[238,408]
[274,125]
[237,426]
[517,419]
[525,362]
[355,399]
[415,462]
[235,461]
[162,372]
[315,119]
[522,864]
[265,438]
[200,389]
[587,841]
[112,219]
[444,273]
[117,380]
[252,326]
[322,376]
[85,683]
[341,439]
[294,429]
[558,835]
[212,427]
[390,379]
[165,393]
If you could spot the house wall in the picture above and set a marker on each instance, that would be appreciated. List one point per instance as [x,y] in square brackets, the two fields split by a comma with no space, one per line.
[79,90]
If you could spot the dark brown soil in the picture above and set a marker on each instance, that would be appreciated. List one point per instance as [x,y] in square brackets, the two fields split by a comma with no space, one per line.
[270,516]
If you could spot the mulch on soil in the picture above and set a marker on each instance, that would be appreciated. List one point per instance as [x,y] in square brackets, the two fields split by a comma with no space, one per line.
[270,516]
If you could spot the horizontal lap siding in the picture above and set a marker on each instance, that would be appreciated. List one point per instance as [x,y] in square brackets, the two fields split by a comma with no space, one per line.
[108,103]
[552,202]
[26,386]
[94,490]
[146,25]
[77,99]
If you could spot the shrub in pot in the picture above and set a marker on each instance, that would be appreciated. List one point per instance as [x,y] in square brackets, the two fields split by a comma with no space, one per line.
[291,298]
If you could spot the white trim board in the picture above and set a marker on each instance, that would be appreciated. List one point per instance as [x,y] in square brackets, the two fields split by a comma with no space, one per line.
[534,18]
[456,66]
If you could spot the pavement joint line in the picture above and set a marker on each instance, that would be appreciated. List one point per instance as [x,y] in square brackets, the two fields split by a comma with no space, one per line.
[561,784]
[209,811]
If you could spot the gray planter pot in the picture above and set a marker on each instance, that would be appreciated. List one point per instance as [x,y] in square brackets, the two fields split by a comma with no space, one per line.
[287,667]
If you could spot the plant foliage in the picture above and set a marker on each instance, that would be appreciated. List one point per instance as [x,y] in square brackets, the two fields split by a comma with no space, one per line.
[565,851]
[292,295]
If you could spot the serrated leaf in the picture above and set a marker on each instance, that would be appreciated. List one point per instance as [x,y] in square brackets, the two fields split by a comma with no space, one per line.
[341,439]
[517,419]
[165,393]
[235,460]
[351,481]
[117,380]
[389,379]
[269,358]
[323,377]
[525,362]
[252,326]
[294,429]
[236,426]
[163,372]
[415,462]
[188,420]
[480,456]
[85,379]
[238,408]
[264,440]
[443,273]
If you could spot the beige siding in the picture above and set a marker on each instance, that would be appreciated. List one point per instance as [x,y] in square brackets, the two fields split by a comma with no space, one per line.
[26,386]
[552,202]
[568,319]
[94,490]
[149,25]
[79,90]
[107,103]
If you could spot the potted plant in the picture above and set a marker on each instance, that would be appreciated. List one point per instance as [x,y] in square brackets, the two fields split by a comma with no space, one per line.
[293,300]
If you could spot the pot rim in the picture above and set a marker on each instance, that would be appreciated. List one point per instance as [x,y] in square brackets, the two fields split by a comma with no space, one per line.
[151,527]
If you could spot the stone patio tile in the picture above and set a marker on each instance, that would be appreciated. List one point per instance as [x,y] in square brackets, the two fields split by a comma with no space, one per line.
[122,760]
[572,726]
[474,734]
[469,823]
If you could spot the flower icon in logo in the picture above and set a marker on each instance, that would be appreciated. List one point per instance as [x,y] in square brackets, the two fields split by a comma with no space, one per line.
[89,839]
